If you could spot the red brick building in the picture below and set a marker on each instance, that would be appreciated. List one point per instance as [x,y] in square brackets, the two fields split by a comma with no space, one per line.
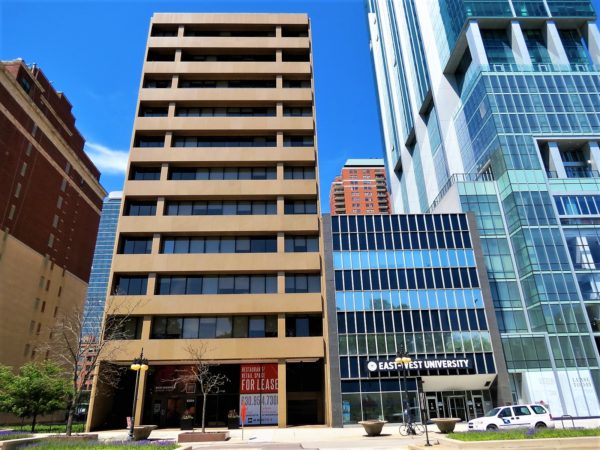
[360,189]
[50,203]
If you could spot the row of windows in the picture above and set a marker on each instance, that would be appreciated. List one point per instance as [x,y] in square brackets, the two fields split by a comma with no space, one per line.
[438,342]
[403,258]
[402,240]
[575,205]
[209,30]
[221,208]
[230,111]
[234,244]
[221,327]
[162,83]
[392,279]
[217,284]
[409,321]
[400,222]
[403,300]
[222,173]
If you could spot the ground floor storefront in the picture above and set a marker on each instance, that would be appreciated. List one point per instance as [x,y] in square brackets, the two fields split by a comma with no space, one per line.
[275,393]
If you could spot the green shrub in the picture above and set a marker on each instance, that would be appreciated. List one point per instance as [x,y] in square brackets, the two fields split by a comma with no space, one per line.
[543,433]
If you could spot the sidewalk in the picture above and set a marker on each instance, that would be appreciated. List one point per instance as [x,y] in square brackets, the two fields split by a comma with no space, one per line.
[316,437]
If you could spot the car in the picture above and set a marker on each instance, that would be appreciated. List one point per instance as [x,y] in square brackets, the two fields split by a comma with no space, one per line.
[514,416]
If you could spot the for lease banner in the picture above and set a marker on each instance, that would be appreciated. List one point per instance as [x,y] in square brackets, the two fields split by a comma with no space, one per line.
[258,389]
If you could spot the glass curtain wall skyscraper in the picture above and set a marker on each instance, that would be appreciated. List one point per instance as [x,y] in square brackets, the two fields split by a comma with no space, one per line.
[493,107]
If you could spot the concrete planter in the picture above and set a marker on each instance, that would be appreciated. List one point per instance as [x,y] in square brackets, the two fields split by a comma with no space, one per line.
[373,427]
[14,444]
[142,432]
[446,424]
[198,436]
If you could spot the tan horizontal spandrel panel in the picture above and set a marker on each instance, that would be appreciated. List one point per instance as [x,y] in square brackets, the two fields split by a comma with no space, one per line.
[234,19]
[226,263]
[213,42]
[223,189]
[190,305]
[224,156]
[174,350]
[227,67]
[220,225]
[226,124]
[216,96]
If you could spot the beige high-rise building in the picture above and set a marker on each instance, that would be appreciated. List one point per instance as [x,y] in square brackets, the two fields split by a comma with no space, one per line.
[219,243]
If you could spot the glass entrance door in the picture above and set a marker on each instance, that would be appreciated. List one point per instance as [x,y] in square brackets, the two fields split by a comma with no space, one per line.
[456,407]
[478,402]
[432,407]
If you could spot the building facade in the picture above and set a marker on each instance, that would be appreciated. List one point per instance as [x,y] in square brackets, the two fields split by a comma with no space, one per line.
[492,107]
[219,247]
[361,188]
[50,200]
[417,283]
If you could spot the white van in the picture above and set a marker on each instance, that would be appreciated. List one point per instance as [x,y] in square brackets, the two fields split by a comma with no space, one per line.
[515,416]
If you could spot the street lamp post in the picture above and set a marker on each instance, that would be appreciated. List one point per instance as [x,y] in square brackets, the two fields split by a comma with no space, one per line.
[402,357]
[138,365]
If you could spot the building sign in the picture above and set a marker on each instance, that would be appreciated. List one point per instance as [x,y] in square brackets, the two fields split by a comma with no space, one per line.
[420,364]
[258,388]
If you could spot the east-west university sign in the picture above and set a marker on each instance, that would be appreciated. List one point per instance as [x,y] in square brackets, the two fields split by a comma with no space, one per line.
[421,364]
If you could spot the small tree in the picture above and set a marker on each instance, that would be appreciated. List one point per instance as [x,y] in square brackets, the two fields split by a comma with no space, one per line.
[200,373]
[39,388]
[79,354]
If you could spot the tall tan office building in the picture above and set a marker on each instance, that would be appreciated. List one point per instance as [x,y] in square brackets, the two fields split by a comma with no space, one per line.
[219,241]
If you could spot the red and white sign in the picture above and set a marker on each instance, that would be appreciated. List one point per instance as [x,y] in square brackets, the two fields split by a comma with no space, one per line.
[258,390]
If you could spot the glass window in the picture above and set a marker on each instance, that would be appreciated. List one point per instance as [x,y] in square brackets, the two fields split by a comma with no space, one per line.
[224,327]
[208,327]
[240,326]
[190,328]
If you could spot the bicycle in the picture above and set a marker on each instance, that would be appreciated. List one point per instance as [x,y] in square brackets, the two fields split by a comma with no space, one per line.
[412,429]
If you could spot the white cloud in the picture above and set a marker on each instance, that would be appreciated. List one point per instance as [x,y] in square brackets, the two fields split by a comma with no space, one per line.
[107,160]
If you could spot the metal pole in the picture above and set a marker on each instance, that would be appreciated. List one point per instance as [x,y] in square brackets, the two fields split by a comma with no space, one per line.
[423,407]
[132,424]
[411,431]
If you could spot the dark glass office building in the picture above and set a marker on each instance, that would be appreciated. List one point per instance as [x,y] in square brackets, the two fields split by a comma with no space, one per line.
[417,282]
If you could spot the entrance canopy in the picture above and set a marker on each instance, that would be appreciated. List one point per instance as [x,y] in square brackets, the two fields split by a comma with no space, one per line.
[440,383]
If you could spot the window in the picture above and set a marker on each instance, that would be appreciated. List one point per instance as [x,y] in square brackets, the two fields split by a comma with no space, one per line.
[303,326]
[156,111]
[301,244]
[301,283]
[149,141]
[25,84]
[161,55]
[43,309]
[221,208]
[287,83]
[220,173]
[299,173]
[188,83]
[136,246]
[151,83]
[521,411]
[130,285]
[225,57]
[214,327]
[224,141]
[506,412]
[140,208]
[118,327]
[298,141]
[297,111]
[241,111]
[216,285]
[144,173]
[236,244]
[300,207]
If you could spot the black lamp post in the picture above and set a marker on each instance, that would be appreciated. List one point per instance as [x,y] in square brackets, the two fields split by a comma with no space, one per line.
[403,358]
[139,364]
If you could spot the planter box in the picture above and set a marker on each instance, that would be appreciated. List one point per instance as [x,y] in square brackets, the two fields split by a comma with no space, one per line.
[14,444]
[446,424]
[198,436]
[187,424]
[233,423]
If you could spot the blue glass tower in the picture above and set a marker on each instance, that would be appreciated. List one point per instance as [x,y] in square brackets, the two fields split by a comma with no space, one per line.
[105,242]
[494,107]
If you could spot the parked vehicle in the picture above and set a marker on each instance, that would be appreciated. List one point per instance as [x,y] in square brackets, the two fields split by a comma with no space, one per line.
[511,417]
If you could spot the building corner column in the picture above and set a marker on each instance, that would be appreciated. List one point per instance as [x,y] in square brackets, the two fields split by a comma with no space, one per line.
[555,46]
[281,394]
[593,42]
[475,43]
[519,46]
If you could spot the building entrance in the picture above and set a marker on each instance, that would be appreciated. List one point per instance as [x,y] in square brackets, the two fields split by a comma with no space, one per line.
[432,411]
[456,407]
[479,410]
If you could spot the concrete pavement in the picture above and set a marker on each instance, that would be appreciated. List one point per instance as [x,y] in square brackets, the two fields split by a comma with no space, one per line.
[315,437]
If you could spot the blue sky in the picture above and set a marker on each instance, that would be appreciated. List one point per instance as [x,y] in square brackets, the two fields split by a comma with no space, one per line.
[99,66]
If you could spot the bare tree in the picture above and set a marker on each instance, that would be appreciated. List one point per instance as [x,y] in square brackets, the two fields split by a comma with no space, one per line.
[201,373]
[80,353]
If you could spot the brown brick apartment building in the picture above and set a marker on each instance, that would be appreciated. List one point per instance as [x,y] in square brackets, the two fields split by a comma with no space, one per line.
[360,189]
[50,201]
[219,242]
